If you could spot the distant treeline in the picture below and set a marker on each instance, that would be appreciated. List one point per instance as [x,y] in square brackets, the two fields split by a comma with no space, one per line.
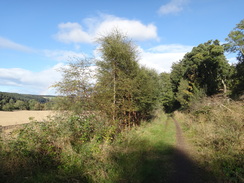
[16,101]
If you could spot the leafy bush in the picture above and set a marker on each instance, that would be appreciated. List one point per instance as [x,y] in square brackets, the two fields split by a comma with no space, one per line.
[72,148]
[62,145]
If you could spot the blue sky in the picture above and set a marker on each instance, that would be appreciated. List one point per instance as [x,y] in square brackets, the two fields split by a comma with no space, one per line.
[38,37]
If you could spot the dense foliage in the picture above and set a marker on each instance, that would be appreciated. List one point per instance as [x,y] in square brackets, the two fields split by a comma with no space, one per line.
[203,70]
[120,89]
[15,101]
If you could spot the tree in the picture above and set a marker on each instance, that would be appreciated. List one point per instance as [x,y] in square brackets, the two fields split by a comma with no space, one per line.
[184,93]
[203,70]
[177,72]
[166,92]
[206,67]
[76,86]
[19,104]
[32,104]
[235,43]
[235,40]
[148,92]
[8,107]
[117,70]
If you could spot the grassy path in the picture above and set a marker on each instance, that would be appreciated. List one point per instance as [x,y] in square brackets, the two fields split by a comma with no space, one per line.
[158,152]
[146,153]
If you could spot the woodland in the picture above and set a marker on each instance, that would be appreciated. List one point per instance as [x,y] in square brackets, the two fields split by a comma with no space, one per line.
[116,117]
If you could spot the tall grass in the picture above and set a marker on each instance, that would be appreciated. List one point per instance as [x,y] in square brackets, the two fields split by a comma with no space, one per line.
[87,149]
[215,126]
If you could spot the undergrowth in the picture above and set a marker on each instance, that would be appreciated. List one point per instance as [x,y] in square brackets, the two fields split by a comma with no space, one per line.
[215,126]
[86,149]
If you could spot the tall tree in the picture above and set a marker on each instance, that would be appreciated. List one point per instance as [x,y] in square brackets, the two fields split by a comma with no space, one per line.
[235,44]
[147,95]
[177,72]
[166,92]
[206,67]
[117,70]
[235,40]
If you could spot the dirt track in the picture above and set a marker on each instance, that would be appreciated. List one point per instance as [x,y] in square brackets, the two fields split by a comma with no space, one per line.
[186,170]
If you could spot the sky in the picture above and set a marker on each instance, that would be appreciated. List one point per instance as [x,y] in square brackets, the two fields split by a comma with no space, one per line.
[38,37]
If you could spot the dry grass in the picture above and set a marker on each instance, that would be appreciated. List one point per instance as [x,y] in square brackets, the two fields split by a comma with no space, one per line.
[21,117]
[215,128]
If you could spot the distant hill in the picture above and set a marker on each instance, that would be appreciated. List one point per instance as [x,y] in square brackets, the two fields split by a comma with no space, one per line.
[25,97]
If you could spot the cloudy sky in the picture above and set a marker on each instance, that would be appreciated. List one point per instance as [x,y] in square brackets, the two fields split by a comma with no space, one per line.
[39,36]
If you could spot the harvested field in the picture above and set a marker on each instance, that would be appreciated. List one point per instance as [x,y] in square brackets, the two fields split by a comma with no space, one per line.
[21,117]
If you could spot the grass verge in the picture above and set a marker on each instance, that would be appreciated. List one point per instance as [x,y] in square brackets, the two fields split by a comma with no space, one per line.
[145,153]
[215,128]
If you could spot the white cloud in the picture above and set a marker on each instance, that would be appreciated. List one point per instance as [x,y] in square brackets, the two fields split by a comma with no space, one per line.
[72,33]
[63,55]
[171,48]
[7,44]
[173,7]
[30,82]
[162,57]
[75,33]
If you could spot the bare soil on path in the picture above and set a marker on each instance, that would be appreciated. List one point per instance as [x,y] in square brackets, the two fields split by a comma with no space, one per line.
[185,169]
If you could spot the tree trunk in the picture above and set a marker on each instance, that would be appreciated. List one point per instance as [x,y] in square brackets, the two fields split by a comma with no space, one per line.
[224,86]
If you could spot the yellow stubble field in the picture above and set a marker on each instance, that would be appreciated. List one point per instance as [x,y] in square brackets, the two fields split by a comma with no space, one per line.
[20,117]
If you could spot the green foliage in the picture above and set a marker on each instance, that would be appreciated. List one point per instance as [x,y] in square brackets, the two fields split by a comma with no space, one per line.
[166,92]
[8,107]
[124,91]
[84,148]
[116,76]
[235,43]
[76,86]
[177,72]
[184,93]
[143,154]
[206,66]
[147,94]
[58,148]
[235,40]
[20,105]
[204,69]
[15,101]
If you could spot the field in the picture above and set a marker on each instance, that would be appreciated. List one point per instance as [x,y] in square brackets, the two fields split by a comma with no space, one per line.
[21,117]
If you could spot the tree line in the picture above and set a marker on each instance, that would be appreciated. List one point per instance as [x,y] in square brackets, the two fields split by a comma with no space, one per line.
[15,101]
[205,71]
[118,87]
